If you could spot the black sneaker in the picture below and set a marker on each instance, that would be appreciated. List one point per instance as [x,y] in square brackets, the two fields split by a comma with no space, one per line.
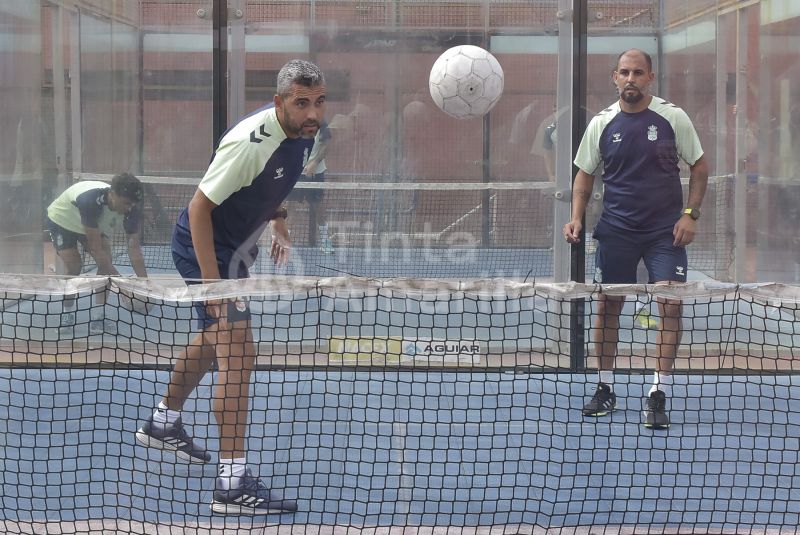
[172,438]
[655,414]
[603,401]
[251,498]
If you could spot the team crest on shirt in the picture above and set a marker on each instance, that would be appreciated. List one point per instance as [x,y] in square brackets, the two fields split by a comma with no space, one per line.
[616,137]
[652,132]
[279,173]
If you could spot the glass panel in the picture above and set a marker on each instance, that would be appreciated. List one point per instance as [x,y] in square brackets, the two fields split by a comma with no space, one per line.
[23,138]
[109,71]
[772,148]
[176,107]
[377,58]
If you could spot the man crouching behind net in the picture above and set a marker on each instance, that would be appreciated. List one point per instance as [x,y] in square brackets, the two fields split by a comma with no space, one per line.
[253,169]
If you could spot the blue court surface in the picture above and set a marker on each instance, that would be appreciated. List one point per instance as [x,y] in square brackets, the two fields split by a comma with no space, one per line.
[372,449]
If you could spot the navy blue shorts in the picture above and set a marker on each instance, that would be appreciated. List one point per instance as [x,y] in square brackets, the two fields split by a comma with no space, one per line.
[619,252]
[63,238]
[238,309]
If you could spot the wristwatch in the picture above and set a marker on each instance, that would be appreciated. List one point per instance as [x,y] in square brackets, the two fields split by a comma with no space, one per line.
[694,213]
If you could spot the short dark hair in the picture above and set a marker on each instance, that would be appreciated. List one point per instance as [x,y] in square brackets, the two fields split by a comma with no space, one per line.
[647,57]
[128,186]
[299,71]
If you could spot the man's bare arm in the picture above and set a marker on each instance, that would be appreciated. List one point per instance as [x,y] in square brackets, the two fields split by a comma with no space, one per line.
[581,193]
[698,182]
[200,208]
[136,256]
[99,252]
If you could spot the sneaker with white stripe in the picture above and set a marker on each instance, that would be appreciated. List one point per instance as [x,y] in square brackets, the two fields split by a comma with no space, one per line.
[172,438]
[251,498]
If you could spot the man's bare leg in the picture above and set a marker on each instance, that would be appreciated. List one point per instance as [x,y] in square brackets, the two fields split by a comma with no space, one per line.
[606,330]
[236,360]
[165,429]
[667,341]
[192,365]
[69,263]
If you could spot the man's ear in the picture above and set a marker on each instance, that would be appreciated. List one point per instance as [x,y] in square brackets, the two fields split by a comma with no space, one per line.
[278,101]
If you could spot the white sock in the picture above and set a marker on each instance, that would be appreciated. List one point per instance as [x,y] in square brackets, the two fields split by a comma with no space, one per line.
[163,416]
[607,377]
[231,472]
[661,381]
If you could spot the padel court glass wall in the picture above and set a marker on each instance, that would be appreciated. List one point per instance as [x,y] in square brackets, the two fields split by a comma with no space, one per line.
[425,229]
[91,89]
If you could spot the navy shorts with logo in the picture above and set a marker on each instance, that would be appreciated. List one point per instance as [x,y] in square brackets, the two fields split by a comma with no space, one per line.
[619,252]
[63,238]
[186,263]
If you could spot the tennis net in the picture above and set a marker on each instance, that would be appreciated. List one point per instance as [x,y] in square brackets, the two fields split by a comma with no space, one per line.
[422,230]
[428,406]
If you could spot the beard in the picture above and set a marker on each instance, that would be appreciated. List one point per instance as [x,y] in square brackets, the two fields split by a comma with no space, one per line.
[305,133]
[631,98]
[300,129]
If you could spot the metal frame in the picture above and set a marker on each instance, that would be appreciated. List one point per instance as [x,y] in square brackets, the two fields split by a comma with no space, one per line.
[580,25]
[219,69]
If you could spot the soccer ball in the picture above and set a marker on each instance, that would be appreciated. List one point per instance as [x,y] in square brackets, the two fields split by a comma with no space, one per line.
[466,81]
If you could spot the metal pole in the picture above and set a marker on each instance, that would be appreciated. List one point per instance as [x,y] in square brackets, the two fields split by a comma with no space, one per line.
[59,99]
[578,254]
[740,193]
[219,69]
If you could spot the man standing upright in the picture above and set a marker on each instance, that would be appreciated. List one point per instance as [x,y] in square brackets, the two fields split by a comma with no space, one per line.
[637,143]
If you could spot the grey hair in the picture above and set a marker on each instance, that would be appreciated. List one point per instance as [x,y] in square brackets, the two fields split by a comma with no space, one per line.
[298,71]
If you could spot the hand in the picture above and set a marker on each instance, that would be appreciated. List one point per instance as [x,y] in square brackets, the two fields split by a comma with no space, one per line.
[572,231]
[309,170]
[281,243]
[218,308]
[684,231]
